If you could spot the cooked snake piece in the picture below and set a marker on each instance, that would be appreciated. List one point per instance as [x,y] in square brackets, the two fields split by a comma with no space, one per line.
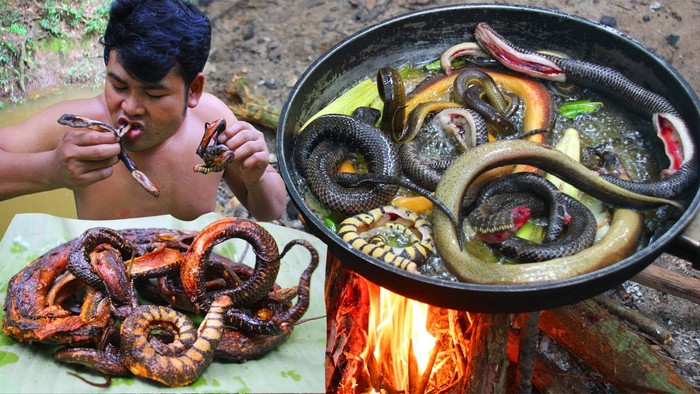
[255,336]
[29,317]
[260,283]
[143,359]
[79,259]
[77,121]
[106,361]
[217,155]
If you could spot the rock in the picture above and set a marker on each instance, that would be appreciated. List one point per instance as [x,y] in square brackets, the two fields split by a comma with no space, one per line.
[608,20]
[672,39]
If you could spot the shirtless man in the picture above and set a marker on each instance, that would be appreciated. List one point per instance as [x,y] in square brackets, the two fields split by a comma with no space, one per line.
[154,53]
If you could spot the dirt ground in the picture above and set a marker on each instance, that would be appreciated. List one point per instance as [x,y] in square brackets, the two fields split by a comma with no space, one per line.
[272,42]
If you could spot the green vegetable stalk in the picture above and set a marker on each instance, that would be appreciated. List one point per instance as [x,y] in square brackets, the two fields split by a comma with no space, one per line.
[572,109]
[361,95]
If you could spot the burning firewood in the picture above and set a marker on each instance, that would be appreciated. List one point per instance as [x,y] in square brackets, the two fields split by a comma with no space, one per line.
[477,352]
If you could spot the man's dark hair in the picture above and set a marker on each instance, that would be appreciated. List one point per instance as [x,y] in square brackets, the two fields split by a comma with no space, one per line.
[153,36]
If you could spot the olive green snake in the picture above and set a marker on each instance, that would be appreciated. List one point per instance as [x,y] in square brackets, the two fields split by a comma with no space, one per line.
[620,241]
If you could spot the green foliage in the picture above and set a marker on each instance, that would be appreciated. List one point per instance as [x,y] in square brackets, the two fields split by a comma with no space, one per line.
[55,25]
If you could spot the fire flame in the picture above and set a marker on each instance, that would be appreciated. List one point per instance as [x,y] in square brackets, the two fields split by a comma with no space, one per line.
[397,336]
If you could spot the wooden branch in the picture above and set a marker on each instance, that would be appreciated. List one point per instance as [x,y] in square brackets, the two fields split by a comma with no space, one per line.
[346,331]
[592,334]
[528,351]
[643,323]
[249,107]
[486,370]
[671,282]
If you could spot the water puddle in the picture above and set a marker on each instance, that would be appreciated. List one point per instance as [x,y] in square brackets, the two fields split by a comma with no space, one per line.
[55,202]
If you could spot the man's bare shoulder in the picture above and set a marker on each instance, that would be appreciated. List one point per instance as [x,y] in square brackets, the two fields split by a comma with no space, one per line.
[211,108]
[42,131]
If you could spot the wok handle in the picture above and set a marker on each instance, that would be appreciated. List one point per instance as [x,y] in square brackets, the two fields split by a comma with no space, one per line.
[687,244]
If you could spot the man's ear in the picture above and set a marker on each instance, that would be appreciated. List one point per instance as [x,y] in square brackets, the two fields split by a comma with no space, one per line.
[195,90]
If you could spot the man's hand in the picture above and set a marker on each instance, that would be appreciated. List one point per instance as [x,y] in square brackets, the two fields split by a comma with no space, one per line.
[251,156]
[85,157]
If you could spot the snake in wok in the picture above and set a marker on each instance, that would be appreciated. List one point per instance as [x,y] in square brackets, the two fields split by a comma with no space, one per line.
[619,242]
[508,202]
[361,232]
[670,127]
[324,143]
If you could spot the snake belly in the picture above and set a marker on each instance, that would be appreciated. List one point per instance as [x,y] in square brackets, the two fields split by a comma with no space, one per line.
[317,163]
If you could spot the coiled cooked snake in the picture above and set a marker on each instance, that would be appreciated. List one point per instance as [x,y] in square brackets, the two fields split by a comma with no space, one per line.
[318,163]
[182,361]
[407,258]
[670,127]
[506,193]
[457,179]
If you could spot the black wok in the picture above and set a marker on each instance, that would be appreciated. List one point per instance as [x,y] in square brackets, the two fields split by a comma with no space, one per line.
[422,36]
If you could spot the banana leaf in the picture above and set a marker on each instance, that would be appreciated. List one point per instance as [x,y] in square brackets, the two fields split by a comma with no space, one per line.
[296,366]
